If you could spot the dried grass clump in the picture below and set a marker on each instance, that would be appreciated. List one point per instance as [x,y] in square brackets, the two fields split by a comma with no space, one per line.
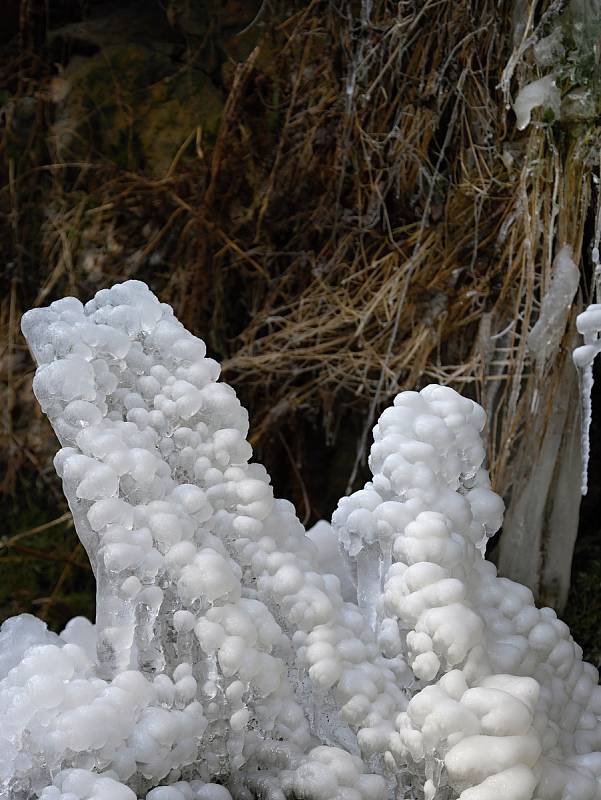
[364,218]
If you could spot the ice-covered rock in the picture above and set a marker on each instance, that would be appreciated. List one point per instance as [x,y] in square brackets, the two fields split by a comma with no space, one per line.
[541,92]
[233,656]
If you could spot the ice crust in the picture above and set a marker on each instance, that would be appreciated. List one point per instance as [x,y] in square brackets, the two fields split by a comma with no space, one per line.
[545,336]
[233,656]
[541,92]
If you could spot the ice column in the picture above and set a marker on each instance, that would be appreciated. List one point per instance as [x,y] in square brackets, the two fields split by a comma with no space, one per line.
[507,709]
[588,324]
[208,589]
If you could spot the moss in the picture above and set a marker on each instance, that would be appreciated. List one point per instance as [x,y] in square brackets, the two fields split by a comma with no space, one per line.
[172,111]
[134,106]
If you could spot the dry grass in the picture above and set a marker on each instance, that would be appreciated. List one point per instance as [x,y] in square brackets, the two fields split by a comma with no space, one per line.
[365,220]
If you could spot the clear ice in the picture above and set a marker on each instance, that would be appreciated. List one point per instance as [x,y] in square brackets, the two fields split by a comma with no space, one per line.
[235,656]
[545,337]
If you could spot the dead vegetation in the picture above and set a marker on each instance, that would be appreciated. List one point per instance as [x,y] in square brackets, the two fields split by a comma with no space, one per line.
[359,217]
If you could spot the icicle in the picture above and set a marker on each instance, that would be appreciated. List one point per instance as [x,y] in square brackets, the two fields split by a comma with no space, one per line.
[589,325]
[583,359]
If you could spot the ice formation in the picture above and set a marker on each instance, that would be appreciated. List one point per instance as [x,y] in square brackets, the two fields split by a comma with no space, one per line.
[545,336]
[588,324]
[542,92]
[541,524]
[233,656]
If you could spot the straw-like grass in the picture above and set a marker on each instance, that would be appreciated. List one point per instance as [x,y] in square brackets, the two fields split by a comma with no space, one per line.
[364,219]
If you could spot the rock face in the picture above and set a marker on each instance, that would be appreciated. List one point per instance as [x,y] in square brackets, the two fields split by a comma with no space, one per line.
[377,657]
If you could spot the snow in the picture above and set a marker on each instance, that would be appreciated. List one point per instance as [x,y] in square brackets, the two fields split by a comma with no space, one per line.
[233,656]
